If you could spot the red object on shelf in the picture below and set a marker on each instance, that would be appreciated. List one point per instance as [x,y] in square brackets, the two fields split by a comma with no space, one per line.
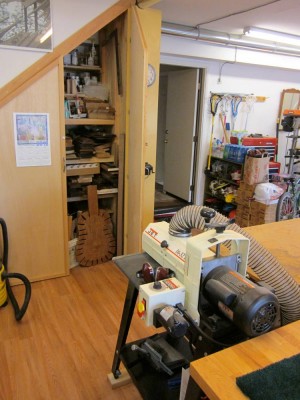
[292,113]
[268,144]
[259,141]
[274,167]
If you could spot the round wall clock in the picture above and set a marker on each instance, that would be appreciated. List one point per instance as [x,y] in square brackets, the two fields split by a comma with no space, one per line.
[151,75]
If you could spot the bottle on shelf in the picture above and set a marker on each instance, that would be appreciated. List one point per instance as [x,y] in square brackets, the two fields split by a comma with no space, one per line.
[68,84]
[73,85]
[75,57]
[91,59]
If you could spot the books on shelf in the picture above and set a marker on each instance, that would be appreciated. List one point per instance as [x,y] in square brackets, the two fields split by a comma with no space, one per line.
[85,179]
[107,191]
[103,150]
[109,167]
[83,169]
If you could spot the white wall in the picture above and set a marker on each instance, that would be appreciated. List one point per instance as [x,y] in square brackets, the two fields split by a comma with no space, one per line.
[68,16]
[236,78]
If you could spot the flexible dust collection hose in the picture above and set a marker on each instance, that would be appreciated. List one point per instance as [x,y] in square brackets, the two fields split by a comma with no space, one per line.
[263,263]
[5,287]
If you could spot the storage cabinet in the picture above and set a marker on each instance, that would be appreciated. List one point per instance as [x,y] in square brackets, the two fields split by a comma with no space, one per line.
[91,143]
[221,184]
[42,190]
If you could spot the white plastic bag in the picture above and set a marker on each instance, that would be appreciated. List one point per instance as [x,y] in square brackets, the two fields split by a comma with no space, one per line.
[267,193]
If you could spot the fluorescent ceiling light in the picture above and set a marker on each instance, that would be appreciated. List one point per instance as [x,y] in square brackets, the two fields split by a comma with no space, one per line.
[46,36]
[278,37]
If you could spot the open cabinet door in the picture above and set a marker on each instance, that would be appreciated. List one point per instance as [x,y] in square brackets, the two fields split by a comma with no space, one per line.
[144,49]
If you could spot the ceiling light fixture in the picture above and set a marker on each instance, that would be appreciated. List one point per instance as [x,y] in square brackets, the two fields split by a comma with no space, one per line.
[277,37]
[231,40]
[46,35]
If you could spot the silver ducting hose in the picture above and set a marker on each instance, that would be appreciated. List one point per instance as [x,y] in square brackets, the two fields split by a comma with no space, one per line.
[263,263]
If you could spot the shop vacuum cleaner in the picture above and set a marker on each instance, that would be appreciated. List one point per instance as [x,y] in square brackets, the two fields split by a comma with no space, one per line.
[5,287]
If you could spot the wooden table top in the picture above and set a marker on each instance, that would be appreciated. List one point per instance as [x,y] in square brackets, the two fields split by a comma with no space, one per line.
[216,374]
[282,240]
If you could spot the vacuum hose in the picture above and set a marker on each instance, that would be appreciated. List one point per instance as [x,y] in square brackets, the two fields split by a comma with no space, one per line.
[263,263]
[5,287]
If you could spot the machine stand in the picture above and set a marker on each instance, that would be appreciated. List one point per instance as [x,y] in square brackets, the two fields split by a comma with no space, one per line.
[128,310]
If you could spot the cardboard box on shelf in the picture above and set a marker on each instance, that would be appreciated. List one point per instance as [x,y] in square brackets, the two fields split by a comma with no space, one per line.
[255,213]
[244,193]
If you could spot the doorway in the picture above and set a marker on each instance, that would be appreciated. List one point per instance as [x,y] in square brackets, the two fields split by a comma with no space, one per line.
[177,137]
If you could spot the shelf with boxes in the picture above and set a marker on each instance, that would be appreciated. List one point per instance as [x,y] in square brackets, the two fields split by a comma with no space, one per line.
[86,96]
[82,173]
[83,64]
[87,148]
[221,183]
[250,212]
[94,142]
[227,170]
[89,122]
[90,145]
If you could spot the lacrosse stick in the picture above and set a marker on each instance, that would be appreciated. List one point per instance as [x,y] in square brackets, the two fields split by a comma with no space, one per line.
[225,107]
[235,102]
[214,102]
[250,100]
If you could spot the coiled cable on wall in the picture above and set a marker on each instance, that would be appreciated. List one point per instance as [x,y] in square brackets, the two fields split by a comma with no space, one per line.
[263,263]
[5,287]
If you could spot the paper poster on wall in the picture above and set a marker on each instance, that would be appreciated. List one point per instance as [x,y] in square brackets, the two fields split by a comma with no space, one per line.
[32,139]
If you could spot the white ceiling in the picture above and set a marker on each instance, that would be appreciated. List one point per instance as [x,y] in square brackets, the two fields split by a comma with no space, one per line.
[231,16]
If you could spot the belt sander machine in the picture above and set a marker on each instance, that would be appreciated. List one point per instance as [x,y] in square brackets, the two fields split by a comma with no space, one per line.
[199,291]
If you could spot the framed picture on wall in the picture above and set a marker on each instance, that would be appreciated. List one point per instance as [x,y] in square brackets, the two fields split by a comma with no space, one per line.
[26,24]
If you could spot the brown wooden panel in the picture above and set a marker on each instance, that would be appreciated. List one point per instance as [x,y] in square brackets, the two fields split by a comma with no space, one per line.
[32,198]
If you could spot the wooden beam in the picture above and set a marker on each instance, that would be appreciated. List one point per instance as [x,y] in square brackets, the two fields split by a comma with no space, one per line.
[49,60]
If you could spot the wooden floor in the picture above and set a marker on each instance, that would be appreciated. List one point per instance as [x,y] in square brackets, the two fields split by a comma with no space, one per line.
[63,348]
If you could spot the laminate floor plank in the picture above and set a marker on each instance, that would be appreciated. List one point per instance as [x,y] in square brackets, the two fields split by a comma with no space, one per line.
[63,347]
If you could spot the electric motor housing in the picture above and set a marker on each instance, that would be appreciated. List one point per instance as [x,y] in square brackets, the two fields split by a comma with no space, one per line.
[252,308]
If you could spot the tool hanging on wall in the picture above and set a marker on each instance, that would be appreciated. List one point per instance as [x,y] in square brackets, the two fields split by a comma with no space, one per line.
[235,102]
[225,108]
[214,102]
[5,287]
[250,100]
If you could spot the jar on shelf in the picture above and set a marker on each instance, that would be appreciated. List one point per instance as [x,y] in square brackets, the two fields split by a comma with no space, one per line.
[75,57]
[90,60]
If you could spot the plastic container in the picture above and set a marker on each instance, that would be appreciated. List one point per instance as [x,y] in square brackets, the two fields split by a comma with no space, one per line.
[99,91]
[235,152]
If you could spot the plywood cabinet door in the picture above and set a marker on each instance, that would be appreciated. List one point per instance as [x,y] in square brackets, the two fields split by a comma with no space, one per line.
[142,125]
[33,199]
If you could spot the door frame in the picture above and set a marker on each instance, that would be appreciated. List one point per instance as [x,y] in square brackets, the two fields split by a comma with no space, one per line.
[197,173]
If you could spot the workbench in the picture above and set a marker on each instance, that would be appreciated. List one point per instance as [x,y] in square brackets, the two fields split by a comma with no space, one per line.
[282,240]
[216,374]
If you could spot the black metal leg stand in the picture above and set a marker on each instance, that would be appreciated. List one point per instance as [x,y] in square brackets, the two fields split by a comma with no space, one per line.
[128,310]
